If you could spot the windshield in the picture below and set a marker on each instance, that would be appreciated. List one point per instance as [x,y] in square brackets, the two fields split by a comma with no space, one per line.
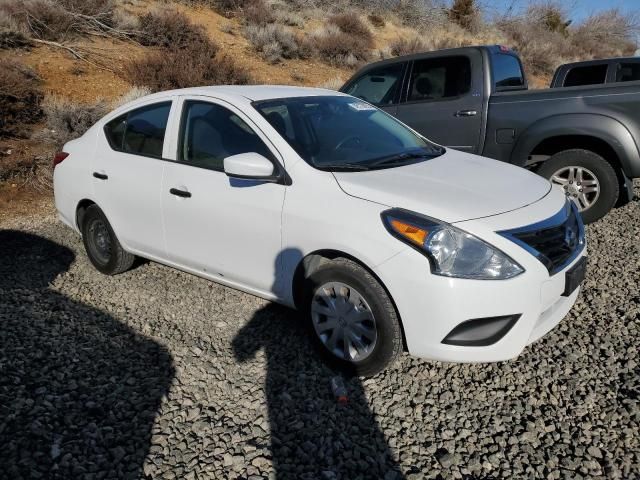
[344,133]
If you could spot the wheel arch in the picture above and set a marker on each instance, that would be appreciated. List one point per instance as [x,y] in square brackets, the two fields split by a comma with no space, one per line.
[81,209]
[312,261]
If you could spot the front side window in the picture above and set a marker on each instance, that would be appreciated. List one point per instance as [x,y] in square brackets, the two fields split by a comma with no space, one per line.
[440,78]
[628,72]
[344,133]
[587,75]
[379,86]
[507,72]
[140,131]
[210,133]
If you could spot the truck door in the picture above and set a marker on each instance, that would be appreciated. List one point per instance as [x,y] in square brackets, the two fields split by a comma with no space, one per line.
[444,100]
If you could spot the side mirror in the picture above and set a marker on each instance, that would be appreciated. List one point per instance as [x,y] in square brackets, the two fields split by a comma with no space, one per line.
[249,166]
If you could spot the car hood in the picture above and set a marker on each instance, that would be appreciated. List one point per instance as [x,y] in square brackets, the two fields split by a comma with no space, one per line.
[453,187]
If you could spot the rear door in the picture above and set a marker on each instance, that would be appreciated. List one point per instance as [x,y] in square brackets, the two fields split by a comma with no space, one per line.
[380,85]
[127,175]
[444,99]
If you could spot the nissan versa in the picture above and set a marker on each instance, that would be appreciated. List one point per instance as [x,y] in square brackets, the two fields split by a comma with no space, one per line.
[320,201]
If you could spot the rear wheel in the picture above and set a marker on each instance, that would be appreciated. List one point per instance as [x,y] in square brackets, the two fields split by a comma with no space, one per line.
[102,245]
[586,178]
[351,318]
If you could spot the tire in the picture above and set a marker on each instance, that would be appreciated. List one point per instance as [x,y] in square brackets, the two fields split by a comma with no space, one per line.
[102,245]
[376,309]
[592,207]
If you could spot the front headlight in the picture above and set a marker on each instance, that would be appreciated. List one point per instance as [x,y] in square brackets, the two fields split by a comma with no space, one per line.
[452,252]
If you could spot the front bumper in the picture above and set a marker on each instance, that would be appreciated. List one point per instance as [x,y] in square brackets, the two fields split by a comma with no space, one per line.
[431,306]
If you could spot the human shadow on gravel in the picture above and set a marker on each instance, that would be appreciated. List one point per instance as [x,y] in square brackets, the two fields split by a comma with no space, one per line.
[312,436]
[79,391]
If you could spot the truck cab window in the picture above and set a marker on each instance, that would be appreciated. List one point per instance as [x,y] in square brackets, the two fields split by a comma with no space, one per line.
[507,72]
[587,75]
[379,86]
[628,72]
[440,78]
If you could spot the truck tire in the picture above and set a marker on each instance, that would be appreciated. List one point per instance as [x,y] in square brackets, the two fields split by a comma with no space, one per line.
[587,179]
[351,319]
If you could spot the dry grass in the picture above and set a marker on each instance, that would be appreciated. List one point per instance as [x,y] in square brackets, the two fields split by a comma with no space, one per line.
[274,42]
[336,47]
[350,23]
[376,20]
[20,99]
[407,46]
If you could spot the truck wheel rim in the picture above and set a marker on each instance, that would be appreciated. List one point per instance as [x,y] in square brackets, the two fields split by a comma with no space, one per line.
[580,185]
[343,321]
[100,241]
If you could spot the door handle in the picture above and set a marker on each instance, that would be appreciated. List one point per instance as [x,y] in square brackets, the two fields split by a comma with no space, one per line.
[100,176]
[180,193]
[465,113]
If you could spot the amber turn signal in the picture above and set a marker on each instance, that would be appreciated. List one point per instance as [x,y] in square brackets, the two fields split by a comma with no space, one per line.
[410,232]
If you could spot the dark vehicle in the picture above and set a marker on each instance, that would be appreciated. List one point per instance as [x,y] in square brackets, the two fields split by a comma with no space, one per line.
[475,99]
[596,72]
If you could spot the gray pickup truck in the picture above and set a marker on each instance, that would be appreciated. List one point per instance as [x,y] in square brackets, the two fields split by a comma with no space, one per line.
[475,99]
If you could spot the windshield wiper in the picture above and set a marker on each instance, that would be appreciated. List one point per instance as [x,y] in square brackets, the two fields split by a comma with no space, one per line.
[400,158]
[343,167]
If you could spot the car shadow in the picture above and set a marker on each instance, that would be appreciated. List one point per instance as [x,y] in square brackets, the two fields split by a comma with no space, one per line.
[312,435]
[79,391]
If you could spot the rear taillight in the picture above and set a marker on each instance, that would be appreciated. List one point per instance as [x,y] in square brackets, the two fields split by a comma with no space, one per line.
[59,157]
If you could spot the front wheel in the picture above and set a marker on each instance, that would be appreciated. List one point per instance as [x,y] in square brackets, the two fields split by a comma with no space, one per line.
[586,178]
[351,318]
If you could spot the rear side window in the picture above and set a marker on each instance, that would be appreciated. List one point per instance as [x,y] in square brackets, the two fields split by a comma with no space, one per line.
[628,72]
[140,131]
[507,72]
[210,133]
[380,86]
[440,78]
[587,75]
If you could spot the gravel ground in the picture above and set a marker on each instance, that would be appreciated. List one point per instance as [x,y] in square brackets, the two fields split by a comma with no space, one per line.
[159,374]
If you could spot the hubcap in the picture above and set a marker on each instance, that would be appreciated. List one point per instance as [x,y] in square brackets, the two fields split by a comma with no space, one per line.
[100,240]
[579,184]
[343,321]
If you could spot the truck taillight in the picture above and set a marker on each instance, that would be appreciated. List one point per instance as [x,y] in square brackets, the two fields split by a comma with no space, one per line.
[59,157]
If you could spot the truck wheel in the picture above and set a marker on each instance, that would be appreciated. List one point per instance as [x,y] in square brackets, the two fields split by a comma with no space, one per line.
[102,245]
[351,319]
[587,179]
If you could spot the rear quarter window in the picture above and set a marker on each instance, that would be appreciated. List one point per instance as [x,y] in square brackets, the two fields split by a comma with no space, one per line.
[586,75]
[507,72]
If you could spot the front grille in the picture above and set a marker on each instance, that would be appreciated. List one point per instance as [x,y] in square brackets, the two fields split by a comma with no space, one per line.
[556,241]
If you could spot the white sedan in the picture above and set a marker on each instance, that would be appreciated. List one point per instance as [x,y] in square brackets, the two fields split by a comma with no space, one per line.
[383,240]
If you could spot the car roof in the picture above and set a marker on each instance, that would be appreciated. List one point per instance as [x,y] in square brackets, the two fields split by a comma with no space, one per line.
[250,92]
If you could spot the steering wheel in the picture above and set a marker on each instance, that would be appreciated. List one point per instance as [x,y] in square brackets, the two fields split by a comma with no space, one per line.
[342,143]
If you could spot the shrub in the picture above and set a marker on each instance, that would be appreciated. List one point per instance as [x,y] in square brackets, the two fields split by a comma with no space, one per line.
[257,12]
[334,83]
[67,120]
[607,34]
[12,39]
[464,13]
[20,99]
[407,46]
[172,29]
[351,24]
[376,20]
[339,48]
[274,42]
[181,69]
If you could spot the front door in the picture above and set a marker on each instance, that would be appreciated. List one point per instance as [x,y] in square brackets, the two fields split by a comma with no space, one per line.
[223,227]
[444,102]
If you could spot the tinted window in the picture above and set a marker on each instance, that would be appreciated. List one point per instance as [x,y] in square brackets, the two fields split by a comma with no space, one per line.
[144,134]
[507,72]
[115,131]
[211,133]
[628,72]
[434,79]
[340,132]
[379,86]
[587,75]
